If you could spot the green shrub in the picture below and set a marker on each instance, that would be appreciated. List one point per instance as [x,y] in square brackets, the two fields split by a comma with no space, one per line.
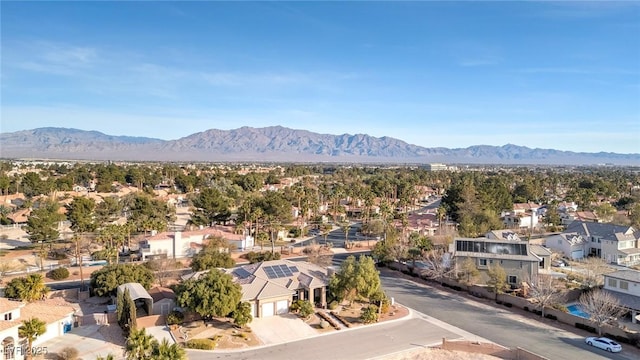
[256,257]
[100,255]
[369,314]
[58,274]
[175,318]
[302,307]
[386,304]
[333,305]
[201,344]
[57,255]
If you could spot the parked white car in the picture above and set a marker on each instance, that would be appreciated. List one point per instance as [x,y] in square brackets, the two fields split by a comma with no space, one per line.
[604,344]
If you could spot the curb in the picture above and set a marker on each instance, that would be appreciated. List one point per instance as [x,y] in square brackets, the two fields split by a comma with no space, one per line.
[409,316]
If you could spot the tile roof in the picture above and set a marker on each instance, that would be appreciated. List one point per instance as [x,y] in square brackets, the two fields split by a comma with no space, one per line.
[7,305]
[49,311]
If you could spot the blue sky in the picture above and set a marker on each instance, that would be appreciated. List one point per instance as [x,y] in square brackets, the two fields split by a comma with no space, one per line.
[560,75]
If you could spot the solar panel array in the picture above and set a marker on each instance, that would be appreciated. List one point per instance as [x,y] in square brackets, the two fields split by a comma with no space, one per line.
[279,271]
[242,273]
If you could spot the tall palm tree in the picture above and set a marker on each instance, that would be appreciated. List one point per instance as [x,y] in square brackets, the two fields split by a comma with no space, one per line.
[139,345]
[164,350]
[30,330]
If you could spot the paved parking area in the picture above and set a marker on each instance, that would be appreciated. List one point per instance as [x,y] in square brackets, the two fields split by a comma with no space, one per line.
[280,329]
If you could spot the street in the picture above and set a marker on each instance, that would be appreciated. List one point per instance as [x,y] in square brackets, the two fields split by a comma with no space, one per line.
[360,343]
[494,323]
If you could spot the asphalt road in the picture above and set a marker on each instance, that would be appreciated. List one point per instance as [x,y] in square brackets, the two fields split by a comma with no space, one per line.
[363,343]
[495,324]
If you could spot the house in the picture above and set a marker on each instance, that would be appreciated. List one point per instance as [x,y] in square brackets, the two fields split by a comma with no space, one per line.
[571,245]
[271,286]
[513,220]
[57,314]
[184,244]
[540,251]
[19,217]
[624,285]
[515,256]
[164,300]
[615,244]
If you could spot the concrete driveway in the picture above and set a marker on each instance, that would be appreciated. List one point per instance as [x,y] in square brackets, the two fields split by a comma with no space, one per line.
[160,332]
[90,341]
[281,329]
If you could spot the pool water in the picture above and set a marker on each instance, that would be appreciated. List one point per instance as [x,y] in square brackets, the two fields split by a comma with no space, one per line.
[577,311]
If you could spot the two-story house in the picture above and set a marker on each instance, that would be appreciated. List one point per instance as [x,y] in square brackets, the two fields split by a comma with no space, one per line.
[571,245]
[515,256]
[57,316]
[624,285]
[615,244]
[525,215]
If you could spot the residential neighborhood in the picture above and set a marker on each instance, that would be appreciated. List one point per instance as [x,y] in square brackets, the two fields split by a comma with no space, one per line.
[157,267]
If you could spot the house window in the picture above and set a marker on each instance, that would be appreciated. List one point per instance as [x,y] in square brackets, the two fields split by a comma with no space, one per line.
[624,285]
[7,316]
[483,262]
[613,283]
[511,279]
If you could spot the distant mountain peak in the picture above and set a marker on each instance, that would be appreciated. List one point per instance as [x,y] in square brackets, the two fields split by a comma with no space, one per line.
[277,144]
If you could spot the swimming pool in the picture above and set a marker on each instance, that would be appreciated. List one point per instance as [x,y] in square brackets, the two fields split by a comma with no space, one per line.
[576,310]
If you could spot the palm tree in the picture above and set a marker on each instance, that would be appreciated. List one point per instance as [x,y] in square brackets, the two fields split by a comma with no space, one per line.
[30,330]
[164,350]
[139,345]
[35,289]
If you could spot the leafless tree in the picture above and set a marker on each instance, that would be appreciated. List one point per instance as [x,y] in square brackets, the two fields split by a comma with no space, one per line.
[602,307]
[544,292]
[594,269]
[436,265]
[5,267]
[319,254]
[163,268]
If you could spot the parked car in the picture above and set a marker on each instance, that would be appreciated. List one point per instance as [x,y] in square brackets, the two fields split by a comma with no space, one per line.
[559,263]
[604,344]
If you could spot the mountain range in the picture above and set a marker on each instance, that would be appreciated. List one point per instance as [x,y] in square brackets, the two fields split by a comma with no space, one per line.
[277,144]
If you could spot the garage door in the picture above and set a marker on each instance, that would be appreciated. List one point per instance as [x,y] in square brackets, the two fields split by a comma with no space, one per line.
[577,254]
[267,309]
[282,307]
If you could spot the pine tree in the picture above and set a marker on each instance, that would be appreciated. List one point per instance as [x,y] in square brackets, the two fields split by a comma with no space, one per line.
[120,308]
